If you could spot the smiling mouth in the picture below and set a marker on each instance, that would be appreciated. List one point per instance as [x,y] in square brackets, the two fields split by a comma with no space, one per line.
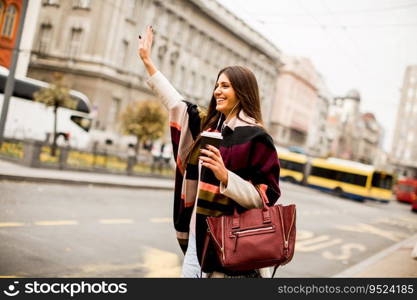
[220,101]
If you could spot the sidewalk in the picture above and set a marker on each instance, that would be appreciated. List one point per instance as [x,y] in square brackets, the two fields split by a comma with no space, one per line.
[16,172]
[394,261]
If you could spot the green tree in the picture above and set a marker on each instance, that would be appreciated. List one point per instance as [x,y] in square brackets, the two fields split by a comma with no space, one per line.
[146,120]
[55,95]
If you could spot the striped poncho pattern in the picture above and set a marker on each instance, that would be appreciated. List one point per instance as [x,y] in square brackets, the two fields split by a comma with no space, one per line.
[246,149]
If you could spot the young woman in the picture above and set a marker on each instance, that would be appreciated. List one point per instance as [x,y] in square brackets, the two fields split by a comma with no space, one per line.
[213,181]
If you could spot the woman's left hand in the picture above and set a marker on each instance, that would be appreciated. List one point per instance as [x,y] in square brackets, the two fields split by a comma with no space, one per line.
[214,161]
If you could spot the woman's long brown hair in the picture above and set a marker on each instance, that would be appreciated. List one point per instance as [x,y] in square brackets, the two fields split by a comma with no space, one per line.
[246,89]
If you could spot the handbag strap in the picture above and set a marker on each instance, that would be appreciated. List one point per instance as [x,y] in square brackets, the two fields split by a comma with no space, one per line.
[275,269]
[265,213]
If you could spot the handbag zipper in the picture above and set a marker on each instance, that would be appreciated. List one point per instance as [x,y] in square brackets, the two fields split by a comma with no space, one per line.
[237,233]
[289,231]
[254,230]
[286,238]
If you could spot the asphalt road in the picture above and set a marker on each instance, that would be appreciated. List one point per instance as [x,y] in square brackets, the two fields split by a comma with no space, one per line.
[51,230]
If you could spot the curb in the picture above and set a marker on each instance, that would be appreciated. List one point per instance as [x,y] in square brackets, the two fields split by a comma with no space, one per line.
[80,182]
[358,268]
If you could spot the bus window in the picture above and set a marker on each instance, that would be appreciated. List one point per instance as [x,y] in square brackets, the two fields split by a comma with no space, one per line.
[345,177]
[22,89]
[291,165]
[83,122]
[381,180]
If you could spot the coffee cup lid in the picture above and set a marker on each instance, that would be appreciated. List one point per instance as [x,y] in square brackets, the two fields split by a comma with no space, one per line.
[212,134]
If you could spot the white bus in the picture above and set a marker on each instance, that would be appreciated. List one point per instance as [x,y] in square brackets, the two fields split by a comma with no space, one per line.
[27,119]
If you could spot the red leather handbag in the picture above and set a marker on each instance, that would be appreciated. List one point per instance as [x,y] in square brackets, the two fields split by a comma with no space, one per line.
[254,239]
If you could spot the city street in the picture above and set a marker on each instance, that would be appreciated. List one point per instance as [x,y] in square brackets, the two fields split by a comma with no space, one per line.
[53,230]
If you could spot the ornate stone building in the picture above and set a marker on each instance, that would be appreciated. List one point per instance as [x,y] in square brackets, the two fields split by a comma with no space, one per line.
[94,42]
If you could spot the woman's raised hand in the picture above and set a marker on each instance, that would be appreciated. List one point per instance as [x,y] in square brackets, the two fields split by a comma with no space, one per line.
[144,51]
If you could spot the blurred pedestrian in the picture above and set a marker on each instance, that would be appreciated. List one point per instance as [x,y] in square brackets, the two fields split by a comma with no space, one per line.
[166,155]
[157,160]
[245,164]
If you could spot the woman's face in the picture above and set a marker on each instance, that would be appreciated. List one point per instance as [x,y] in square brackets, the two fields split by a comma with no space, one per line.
[224,94]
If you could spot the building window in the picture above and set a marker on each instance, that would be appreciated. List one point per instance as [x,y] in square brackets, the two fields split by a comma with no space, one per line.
[45,38]
[9,21]
[410,93]
[81,4]
[1,10]
[191,37]
[124,53]
[131,8]
[75,42]
[182,78]
[191,83]
[50,3]
[114,111]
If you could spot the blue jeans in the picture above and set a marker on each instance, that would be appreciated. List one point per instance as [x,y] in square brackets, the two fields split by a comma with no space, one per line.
[191,267]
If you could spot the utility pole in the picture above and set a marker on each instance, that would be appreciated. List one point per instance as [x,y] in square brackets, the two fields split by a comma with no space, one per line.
[10,79]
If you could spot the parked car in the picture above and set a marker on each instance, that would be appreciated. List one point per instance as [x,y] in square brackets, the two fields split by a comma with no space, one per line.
[406,190]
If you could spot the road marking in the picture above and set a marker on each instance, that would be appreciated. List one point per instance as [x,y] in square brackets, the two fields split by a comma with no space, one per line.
[161,220]
[57,223]
[11,224]
[8,276]
[303,235]
[161,263]
[345,251]
[407,219]
[116,221]
[366,228]
[155,263]
[397,222]
[304,246]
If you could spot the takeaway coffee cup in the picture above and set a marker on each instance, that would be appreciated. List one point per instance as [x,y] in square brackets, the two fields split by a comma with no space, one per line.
[211,138]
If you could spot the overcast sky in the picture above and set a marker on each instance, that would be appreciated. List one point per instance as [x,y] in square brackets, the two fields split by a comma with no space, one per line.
[355,44]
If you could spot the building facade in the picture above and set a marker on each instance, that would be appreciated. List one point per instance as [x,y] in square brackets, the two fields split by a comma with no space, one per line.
[296,98]
[404,144]
[370,142]
[95,44]
[343,120]
[317,140]
[354,135]
[10,12]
